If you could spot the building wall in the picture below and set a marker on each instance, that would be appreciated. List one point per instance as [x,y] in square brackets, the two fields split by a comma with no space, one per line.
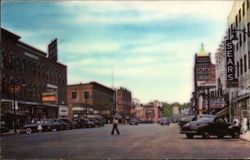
[151,109]
[100,99]
[124,101]
[31,70]
[239,97]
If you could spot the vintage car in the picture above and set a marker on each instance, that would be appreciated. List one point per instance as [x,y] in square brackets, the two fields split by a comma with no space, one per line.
[164,121]
[187,119]
[84,123]
[70,123]
[210,125]
[47,125]
[133,122]
[97,122]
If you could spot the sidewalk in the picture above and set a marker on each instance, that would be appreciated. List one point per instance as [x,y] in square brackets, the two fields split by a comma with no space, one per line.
[246,136]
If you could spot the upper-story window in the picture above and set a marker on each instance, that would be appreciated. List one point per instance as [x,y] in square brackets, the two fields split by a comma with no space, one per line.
[245,63]
[239,15]
[74,95]
[247,4]
[236,21]
[243,8]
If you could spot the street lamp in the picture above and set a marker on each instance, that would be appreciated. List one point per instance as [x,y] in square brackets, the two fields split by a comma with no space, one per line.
[235,39]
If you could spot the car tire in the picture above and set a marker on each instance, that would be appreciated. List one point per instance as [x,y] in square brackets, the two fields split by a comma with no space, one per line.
[205,135]
[53,129]
[28,130]
[189,136]
[236,135]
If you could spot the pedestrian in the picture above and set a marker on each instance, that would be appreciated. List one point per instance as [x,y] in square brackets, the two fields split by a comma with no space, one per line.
[115,127]
[39,127]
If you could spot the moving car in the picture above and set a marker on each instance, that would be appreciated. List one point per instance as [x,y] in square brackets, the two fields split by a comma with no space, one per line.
[47,125]
[210,125]
[164,121]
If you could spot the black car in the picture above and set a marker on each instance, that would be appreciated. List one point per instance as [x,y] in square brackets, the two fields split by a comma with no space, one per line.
[187,119]
[133,122]
[70,123]
[4,128]
[164,121]
[210,125]
[84,123]
[97,122]
[63,125]
[47,125]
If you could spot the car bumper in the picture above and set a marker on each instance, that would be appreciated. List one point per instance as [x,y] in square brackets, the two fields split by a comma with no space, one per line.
[185,132]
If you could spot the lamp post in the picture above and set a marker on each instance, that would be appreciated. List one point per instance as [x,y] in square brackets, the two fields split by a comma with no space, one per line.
[235,39]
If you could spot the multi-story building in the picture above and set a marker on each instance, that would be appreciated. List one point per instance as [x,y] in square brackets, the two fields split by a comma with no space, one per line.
[151,112]
[137,106]
[32,80]
[123,102]
[239,97]
[90,99]
[204,80]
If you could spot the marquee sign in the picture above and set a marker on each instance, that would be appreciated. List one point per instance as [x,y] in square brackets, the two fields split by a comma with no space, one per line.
[49,97]
[230,66]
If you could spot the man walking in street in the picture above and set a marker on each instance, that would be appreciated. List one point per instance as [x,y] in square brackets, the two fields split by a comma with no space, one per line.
[115,127]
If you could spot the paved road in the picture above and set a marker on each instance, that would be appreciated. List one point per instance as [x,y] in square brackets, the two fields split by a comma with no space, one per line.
[142,141]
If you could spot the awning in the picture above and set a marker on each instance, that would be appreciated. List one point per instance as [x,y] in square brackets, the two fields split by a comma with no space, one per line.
[223,112]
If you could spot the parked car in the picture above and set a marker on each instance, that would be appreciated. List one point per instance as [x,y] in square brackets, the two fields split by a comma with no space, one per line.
[164,121]
[186,119]
[97,122]
[84,123]
[70,123]
[63,125]
[47,125]
[133,122]
[4,128]
[210,125]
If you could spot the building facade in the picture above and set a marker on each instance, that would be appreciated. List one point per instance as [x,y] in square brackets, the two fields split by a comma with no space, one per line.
[239,96]
[123,102]
[90,99]
[33,81]
[151,112]
[204,80]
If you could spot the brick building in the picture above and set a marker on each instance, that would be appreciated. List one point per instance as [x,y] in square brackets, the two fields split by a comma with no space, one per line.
[100,100]
[34,79]
[204,80]
[151,112]
[123,102]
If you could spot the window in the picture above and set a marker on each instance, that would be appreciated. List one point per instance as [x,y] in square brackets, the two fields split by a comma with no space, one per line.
[247,3]
[244,35]
[238,69]
[236,21]
[243,8]
[248,28]
[239,15]
[240,40]
[245,63]
[241,67]
[248,59]
[74,95]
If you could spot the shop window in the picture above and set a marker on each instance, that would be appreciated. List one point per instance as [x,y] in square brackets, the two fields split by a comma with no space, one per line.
[240,40]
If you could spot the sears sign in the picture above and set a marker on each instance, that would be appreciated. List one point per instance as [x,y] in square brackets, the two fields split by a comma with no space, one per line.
[231,80]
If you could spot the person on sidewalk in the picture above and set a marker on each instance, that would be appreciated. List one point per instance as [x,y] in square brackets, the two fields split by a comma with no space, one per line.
[115,127]
[40,127]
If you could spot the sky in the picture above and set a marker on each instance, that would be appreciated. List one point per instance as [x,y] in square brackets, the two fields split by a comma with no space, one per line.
[148,46]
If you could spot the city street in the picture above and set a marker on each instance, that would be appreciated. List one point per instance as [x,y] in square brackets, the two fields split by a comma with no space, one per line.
[141,141]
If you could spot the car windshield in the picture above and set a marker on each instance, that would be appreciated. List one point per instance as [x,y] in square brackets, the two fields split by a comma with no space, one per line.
[205,119]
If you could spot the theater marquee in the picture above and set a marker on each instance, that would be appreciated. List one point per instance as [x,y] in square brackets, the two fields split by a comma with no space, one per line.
[232,81]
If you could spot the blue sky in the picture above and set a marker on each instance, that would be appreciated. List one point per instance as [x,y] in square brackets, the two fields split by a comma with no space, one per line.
[150,45]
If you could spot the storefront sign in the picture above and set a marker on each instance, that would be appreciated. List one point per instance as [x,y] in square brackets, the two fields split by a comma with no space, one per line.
[218,102]
[231,80]
[49,97]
